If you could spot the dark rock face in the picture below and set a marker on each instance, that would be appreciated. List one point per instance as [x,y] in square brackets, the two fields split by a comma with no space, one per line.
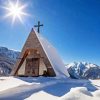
[93,73]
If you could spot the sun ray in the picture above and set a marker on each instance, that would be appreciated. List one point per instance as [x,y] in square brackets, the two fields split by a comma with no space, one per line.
[13,19]
[7,15]
[26,14]
[6,8]
[17,3]
[20,19]
[22,7]
[16,11]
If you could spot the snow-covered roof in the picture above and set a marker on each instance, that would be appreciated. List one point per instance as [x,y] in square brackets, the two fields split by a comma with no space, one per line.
[53,57]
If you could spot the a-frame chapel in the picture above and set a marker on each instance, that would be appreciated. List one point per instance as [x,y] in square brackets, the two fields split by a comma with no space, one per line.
[39,58]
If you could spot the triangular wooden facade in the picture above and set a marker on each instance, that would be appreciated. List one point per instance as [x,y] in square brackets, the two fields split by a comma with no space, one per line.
[33,60]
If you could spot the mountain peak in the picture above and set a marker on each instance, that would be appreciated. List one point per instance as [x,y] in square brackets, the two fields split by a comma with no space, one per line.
[83,70]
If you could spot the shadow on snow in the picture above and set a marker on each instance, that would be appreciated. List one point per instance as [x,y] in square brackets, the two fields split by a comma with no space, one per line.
[51,86]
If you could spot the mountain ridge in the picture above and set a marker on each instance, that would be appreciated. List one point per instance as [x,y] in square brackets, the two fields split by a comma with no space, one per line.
[83,70]
[77,70]
[8,58]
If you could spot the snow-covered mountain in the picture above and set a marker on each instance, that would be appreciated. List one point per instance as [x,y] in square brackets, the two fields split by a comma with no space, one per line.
[76,70]
[84,70]
[7,60]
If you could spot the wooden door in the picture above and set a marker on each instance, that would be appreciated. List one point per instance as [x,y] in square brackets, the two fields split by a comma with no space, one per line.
[32,67]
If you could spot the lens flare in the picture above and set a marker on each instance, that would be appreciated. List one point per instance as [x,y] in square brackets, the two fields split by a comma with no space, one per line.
[15,10]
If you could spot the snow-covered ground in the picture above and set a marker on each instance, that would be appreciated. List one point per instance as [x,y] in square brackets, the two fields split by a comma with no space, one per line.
[43,88]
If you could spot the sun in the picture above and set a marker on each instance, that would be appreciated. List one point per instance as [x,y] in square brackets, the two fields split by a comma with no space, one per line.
[15,10]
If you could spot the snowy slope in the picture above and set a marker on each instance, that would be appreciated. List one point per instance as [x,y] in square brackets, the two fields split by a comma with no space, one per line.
[44,88]
[7,60]
[83,70]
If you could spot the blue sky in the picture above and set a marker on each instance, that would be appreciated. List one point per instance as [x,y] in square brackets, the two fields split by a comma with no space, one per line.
[72,26]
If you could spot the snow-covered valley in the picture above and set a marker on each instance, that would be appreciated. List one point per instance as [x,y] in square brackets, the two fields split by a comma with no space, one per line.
[44,88]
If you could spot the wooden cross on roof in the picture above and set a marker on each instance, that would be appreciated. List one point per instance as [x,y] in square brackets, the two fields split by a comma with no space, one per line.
[38,26]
